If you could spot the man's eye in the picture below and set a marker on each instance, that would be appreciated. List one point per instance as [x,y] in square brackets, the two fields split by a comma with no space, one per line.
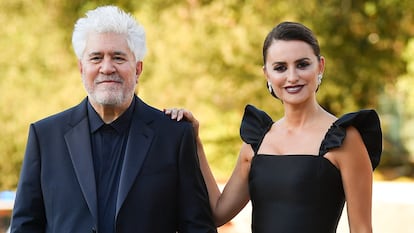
[119,59]
[95,59]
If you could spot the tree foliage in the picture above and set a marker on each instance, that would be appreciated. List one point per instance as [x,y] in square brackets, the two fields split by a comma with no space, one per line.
[206,55]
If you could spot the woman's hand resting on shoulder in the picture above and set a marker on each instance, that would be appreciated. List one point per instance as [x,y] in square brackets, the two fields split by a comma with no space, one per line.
[183,114]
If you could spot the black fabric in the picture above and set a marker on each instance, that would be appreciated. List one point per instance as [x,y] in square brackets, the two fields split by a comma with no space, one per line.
[161,188]
[254,126]
[108,150]
[256,123]
[368,125]
[302,193]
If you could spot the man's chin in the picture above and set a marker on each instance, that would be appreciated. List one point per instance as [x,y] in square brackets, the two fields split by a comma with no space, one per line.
[108,100]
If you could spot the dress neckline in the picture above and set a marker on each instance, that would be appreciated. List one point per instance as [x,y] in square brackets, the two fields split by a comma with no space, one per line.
[256,123]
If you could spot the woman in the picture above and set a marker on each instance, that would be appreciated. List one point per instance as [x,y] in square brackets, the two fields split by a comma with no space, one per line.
[299,170]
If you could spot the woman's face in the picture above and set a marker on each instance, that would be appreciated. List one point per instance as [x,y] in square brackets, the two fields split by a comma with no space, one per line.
[292,69]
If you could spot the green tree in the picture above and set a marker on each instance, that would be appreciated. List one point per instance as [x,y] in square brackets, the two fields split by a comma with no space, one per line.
[206,55]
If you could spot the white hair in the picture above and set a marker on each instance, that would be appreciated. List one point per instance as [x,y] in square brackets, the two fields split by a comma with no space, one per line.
[109,19]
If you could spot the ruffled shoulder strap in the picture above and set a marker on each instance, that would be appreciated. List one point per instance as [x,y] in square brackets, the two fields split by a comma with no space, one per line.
[254,125]
[367,123]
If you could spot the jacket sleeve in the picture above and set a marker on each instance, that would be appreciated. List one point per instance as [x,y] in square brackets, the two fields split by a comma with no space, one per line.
[195,212]
[28,212]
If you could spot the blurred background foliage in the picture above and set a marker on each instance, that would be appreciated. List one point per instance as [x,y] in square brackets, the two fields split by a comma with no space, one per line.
[206,55]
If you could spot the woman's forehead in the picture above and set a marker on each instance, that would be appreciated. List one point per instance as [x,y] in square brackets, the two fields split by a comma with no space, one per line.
[289,50]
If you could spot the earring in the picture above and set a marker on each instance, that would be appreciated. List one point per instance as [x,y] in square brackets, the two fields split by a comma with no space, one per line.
[320,76]
[270,87]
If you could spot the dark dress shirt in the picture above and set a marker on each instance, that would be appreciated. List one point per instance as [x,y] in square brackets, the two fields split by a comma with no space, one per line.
[108,149]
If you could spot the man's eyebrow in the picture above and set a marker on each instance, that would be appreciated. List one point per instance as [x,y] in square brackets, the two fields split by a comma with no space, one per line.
[119,53]
[94,54]
[113,53]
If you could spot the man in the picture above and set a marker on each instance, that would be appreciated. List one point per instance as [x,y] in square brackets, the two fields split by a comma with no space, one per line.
[112,163]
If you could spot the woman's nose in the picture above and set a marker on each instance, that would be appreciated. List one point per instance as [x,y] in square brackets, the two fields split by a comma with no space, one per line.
[292,76]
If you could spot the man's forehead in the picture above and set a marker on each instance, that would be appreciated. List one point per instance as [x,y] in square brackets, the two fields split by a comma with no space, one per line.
[106,40]
[107,43]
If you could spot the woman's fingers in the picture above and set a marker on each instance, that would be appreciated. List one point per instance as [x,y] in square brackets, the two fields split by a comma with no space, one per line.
[179,114]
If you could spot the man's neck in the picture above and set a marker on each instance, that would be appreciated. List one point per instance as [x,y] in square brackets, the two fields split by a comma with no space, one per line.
[110,113]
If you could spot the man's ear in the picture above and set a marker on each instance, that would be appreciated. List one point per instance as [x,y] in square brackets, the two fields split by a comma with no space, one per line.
[80,66]
[139,68]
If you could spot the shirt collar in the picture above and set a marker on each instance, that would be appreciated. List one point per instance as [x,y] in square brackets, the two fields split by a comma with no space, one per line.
[121,124]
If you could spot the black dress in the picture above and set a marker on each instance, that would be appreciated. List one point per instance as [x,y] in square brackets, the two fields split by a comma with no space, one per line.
[302,193]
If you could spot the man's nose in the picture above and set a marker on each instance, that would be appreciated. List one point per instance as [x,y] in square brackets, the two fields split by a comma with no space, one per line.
[107,66]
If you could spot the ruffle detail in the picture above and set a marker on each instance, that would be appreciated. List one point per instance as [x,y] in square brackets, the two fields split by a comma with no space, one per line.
[254,125]
[367,123]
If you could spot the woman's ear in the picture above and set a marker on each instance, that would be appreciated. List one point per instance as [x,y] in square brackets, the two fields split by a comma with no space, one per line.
[321,64]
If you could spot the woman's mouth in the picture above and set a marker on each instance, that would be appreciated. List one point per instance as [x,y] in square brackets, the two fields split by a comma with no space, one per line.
[293,89]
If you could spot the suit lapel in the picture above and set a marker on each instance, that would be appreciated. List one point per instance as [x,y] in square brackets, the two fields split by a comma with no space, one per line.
[139,141]
[79,147]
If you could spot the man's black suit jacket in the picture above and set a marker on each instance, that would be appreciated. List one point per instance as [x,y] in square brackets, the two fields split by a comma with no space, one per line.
[161,187]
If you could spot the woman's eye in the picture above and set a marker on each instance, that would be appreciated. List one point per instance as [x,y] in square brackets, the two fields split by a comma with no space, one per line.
[279,68]
[303,65]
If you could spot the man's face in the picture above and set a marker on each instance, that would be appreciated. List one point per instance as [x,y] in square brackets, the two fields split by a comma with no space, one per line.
[109,70]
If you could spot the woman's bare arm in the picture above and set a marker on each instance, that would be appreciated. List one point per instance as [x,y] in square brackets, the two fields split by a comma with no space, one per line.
[356,171]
